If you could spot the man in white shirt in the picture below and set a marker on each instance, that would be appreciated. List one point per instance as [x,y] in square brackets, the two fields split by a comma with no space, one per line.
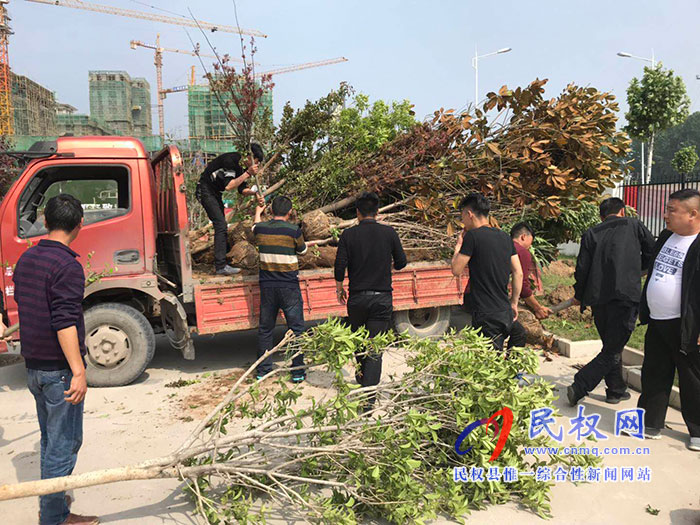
[671,307]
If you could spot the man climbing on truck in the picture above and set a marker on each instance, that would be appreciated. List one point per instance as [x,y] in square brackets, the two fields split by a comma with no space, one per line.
[225,173]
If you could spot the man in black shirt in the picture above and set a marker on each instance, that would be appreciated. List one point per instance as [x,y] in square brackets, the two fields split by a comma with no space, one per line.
[223,174]
[608,279]
[492,260]
[367,250]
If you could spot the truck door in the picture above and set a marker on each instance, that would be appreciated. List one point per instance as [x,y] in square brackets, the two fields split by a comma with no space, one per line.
[112,238]
[172,221]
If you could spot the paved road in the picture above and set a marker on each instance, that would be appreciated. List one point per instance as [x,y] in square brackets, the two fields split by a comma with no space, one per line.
[129,424]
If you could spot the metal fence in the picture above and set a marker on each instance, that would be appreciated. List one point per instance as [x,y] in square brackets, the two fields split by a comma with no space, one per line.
[650,200]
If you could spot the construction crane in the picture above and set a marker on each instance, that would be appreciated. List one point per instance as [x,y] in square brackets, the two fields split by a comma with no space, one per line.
[158,61]
[6,115]
[130,13]
[272,72]
[298,67]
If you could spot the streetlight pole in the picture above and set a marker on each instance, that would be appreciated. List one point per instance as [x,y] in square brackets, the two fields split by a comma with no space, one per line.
[653,65]
[475,65]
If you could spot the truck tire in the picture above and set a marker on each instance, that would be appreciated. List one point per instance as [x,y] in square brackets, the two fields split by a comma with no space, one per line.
[423,322]
[120,344]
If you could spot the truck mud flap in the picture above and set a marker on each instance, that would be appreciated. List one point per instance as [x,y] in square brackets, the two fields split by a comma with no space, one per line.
[174,319]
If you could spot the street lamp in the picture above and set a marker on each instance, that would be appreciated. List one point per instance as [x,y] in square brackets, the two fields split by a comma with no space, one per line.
[475,65]
[652,60]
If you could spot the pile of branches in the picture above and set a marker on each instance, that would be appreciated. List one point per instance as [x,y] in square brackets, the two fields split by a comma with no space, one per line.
[535,156]
[264,450]
[542,160]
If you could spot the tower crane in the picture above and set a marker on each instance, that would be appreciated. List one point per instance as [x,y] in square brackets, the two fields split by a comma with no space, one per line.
[158,61]
[272,72]
[131,13]
[298,67]
[6,116]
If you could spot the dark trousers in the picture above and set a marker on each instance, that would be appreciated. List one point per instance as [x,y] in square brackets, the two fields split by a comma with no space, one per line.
[272,300]
[213,204]
[615,323]
[662,357]
[61,425]
[498,326]
[374,313]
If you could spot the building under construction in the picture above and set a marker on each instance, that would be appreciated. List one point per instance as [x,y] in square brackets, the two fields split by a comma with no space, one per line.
[71,123]
[121,103]
[34,107]
[209,127]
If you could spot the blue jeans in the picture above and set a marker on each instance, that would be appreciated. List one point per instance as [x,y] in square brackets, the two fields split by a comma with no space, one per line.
[61,427]
[272,300]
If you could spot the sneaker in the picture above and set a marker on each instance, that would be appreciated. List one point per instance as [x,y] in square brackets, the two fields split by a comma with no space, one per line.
[652,433]
[298,377]
[694,444]
[228,270]
[77,519]
[614,400]
[571,396]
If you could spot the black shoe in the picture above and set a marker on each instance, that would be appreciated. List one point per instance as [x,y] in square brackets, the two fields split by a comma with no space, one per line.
[298,378]
[614,400]
[571,395]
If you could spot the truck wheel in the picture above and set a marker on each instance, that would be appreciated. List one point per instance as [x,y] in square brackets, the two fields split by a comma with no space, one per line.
[423,322]
[120,344]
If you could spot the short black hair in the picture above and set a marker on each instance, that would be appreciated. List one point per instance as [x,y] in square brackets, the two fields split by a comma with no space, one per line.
[281,206]
[611,206]
[521,227]
[367,204]
[684,194]
[477,204]
[63,212]
[257,151]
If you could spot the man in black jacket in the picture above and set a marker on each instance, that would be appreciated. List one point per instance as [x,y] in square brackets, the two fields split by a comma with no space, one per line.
[608,279]
[671,307]
[367,251]
[225,173]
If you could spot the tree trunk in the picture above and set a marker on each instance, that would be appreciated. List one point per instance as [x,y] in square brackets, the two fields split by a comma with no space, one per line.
[650,154]
[339,205]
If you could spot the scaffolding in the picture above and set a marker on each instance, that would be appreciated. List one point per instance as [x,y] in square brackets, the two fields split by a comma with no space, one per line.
[141,107]
[79,125]
[34,107]
[111,100]
[208,124]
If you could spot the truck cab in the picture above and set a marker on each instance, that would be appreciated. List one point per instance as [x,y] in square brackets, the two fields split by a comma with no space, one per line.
[130,246]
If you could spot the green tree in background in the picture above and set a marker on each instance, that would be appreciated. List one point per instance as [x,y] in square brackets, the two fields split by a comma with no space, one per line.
[684,160]
[320,166]
[656,103]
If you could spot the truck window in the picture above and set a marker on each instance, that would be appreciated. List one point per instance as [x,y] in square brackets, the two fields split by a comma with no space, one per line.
[103,190]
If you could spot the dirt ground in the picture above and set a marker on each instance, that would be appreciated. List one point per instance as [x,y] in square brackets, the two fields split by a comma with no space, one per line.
[129,424]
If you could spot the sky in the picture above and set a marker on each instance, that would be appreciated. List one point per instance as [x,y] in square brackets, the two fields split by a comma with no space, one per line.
[397,49]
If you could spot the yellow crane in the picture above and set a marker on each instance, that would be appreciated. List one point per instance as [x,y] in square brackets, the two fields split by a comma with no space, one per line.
[7,118]
[131,13]
[158,61]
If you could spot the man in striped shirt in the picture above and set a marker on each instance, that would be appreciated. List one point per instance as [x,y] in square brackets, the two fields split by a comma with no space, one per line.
[279,242]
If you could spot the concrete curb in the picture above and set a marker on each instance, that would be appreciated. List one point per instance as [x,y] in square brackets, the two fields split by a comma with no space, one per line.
[632,360]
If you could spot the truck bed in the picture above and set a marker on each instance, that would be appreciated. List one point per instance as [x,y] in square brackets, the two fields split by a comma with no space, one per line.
[226,304]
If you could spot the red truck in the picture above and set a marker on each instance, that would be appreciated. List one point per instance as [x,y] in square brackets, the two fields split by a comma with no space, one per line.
[137,226]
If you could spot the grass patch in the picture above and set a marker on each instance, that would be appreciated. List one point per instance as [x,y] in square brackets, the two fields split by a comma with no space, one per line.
[572,330]
[550,282]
